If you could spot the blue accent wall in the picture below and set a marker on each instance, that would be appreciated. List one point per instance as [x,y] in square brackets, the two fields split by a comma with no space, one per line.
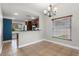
[7,29]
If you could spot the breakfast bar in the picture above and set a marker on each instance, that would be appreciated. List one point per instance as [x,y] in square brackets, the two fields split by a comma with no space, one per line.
[24,38]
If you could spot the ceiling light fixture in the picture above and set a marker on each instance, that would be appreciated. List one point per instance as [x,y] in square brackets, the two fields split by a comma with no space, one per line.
[51,11]
[16,14]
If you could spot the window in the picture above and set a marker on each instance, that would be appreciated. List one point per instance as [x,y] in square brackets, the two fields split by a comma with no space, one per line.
[62,27]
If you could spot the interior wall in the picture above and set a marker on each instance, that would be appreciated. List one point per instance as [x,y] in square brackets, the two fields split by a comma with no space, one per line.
[64,10]
[1,28]
[42,25]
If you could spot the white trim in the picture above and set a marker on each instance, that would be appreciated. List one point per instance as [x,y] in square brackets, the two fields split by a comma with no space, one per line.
[74,47]
[0,50]
[7,41]
[30,43]
[8,17]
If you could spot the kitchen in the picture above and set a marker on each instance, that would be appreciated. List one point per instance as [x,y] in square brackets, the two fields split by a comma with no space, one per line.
[25,31]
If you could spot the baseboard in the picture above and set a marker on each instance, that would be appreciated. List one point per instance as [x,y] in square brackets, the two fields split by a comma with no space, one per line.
[30,43]
[74,47]
[7,41]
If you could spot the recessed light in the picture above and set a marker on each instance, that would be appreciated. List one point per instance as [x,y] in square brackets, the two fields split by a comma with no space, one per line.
[16,14]
[32,17]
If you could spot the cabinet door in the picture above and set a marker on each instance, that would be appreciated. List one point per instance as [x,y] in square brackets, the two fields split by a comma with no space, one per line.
[29,25]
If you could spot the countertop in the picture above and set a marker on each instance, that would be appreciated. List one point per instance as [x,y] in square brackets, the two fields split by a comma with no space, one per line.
[13,32]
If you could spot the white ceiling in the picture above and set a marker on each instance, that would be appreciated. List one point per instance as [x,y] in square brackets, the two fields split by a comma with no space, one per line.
[25,10]
[28,10]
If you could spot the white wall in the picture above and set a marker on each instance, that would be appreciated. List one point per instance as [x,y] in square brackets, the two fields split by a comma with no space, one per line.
[1,22]
[42,25]
[64,10]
